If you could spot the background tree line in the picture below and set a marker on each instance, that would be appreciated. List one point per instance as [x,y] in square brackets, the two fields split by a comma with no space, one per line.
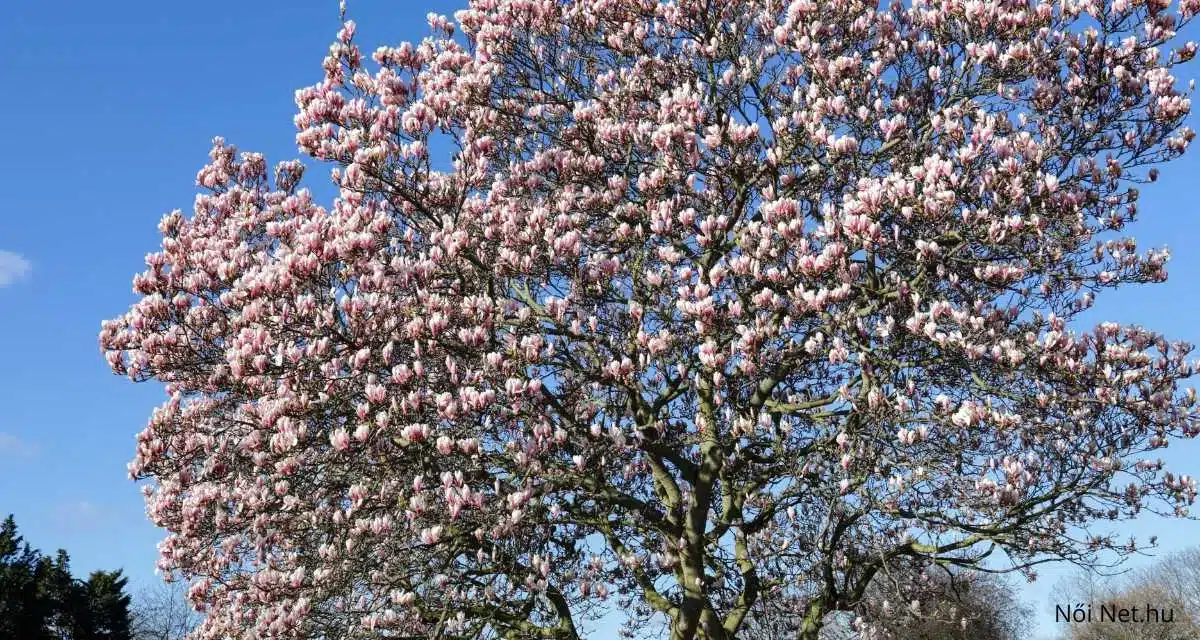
[1170,584]
[928,603]
[41,600]
[914,601]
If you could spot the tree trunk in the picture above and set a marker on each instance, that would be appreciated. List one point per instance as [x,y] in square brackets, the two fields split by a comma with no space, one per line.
[810,627]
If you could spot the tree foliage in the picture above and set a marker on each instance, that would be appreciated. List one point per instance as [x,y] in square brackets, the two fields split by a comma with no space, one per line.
[39,598]
[1170,586]
[665,305]
[24,611]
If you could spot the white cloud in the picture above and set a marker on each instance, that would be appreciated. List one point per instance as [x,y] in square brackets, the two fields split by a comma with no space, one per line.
[12,446]
[13,267]
[81,516]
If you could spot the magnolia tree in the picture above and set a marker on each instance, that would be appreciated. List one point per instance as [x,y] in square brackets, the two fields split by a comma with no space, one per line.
[664,306]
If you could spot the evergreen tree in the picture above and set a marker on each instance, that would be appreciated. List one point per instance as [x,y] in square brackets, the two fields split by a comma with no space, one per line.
[60,593]
[24,612]
[107,606]
[40,600]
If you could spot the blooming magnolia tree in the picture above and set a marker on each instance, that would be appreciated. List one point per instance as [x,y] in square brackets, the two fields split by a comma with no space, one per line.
[666,305]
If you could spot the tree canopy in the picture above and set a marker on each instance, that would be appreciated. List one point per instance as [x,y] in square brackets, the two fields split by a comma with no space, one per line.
[665,305]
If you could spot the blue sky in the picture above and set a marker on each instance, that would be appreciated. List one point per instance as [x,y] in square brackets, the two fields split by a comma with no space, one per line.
[110,112]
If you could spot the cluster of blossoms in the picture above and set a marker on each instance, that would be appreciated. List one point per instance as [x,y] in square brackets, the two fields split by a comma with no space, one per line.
[716,301]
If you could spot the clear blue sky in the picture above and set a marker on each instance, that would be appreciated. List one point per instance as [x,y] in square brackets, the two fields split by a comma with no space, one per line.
[110,108]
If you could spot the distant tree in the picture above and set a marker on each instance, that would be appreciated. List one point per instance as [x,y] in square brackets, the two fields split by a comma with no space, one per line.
[1170,585]
[1178,574]
[63,595]
[162,612]
[107,606]
[24,611]
[908,603]
[39,598]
